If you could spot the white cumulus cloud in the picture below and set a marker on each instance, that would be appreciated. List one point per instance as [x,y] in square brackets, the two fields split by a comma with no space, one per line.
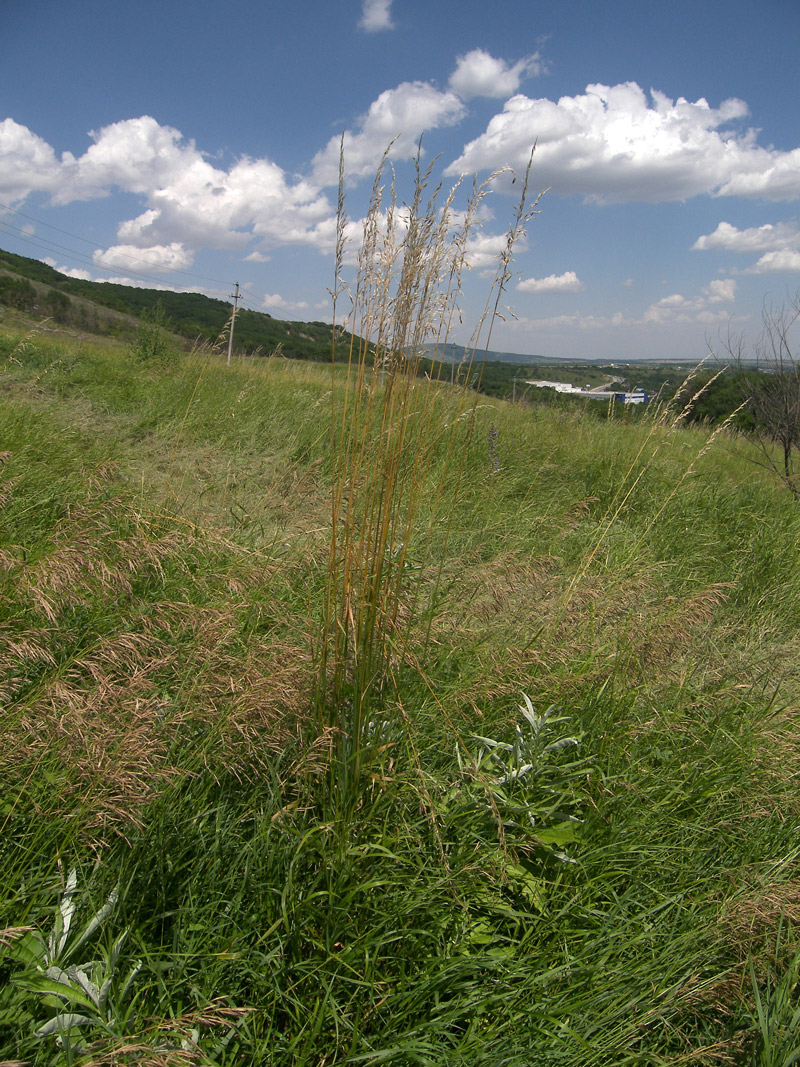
[135,155]
[155,258]
[189,203]
[479,74]
[400,115]
[614,144]
[276,302]
[70,272]
[723,290]
[483,250]
[27,163]
[702,308]
[569,282]
[376,15]
[770,174]
[778,242]
[776,262]
[772,237]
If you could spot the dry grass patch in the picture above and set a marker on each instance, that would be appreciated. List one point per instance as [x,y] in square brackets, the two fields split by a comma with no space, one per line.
[117,691]
[758,916]
[139,710]
[530,629]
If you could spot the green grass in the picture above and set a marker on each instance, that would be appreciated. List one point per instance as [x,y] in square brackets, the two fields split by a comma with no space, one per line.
[630,899]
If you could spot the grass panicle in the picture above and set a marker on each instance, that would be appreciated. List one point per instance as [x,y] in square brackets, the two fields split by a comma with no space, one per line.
[385,433]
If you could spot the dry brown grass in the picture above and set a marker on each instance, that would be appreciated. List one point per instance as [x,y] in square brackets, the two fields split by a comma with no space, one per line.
[760,914]
[112,718]
[749,929]
[110,708]
[511,612]
[169,1042]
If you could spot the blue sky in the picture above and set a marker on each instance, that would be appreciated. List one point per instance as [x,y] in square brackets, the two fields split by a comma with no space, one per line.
[191,144]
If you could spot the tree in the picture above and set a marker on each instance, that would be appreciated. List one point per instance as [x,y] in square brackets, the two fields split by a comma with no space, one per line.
[57,306]
[17,292]
[773,394]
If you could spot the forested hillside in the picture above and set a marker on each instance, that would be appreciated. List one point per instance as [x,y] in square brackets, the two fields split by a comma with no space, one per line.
[112,310]
[32,286]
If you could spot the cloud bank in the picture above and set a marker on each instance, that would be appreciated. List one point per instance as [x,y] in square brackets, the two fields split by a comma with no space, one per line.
[703,308]
[772,237]
[608,144]
[612,144]
[779,242]
[189,202]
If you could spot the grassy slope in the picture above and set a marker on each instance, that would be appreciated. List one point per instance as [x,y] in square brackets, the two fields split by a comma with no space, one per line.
[163,553]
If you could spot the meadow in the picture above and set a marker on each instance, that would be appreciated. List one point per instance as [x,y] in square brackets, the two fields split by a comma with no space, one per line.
[351,716]
[552,821]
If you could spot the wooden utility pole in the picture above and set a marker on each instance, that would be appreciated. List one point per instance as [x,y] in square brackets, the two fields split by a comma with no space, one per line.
[235,299]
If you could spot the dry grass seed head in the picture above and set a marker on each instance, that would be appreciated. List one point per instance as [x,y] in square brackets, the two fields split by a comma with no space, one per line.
[88,558]
[13,933]
[511,613]
[109,718]
[760,915]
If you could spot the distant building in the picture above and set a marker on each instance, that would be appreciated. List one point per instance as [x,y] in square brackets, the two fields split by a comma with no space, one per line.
[636,396]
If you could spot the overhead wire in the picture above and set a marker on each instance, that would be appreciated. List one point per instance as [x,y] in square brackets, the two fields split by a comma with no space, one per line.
[51,246]
[48,245]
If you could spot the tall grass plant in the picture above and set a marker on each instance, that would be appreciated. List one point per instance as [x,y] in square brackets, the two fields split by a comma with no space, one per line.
[386,434]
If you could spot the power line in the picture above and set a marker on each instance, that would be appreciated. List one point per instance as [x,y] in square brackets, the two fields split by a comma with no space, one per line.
[43,243]
[105,248]
[46,245]
[51,246]
[243,299]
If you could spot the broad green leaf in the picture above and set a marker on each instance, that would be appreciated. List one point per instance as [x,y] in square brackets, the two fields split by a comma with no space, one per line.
[62,1023]
[559,835]
[30,949]
[41,984]
[533,889]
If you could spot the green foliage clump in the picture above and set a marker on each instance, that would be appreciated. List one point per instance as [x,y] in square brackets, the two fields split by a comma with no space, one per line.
[154,342]
[58,306]
[16,292]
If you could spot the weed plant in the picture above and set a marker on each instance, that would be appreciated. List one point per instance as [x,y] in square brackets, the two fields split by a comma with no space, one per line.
[154,343]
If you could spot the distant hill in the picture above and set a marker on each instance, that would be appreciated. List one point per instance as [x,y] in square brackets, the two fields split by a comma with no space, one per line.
[113,310]
[453,353]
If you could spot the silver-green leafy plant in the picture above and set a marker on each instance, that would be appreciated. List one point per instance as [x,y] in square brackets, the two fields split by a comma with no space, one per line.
[529,784]
[73,995]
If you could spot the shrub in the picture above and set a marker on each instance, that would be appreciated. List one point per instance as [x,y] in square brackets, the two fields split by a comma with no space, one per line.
[153,343]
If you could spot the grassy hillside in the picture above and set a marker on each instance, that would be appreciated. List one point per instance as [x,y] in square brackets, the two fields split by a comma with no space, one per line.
[572,835]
